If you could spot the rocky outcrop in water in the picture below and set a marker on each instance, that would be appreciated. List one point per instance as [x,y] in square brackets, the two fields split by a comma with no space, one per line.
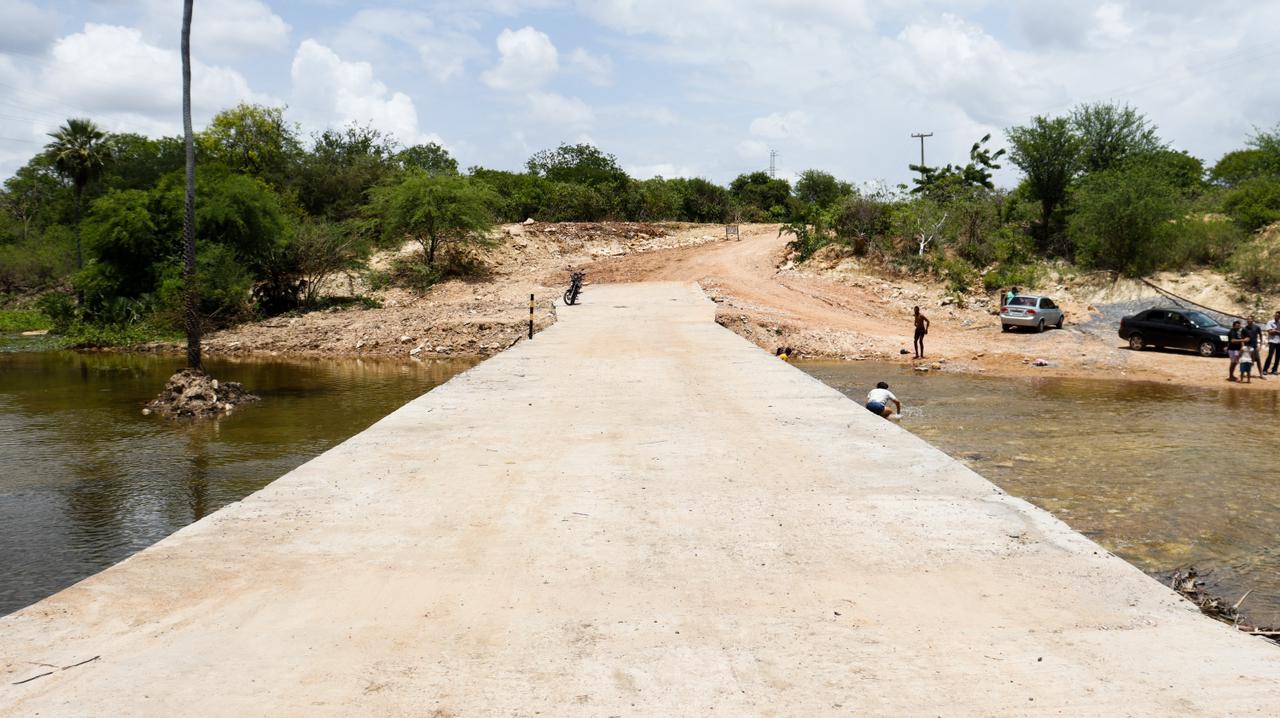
[193,394]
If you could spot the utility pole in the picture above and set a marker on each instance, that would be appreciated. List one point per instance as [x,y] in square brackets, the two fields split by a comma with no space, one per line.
[773,165]
[922,135]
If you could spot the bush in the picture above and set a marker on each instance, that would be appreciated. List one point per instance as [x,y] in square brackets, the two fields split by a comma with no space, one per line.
[1199,240]
[958,274]
[858,220]
[224,283]
[1123,219]
[39,262]
[23,320]
[1254,203]
[1257,264]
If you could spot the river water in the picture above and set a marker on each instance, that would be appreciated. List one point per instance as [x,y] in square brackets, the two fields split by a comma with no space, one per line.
[1162,475]
[86,480]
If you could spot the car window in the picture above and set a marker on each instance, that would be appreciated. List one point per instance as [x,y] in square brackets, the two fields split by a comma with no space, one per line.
[1156,315]
[1201,320]
[1176,318]
[1022,302]
[1048,304]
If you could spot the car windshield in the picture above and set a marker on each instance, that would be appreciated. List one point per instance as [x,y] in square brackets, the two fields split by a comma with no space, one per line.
[1022,302]
[1203,321]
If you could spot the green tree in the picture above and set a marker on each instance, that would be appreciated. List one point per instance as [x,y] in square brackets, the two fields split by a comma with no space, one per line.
[859,219]
[332,180]
[436,211]
[1048,153]
[31,196]
[521,196]
[79,152]
[1254,203]
[1123,218]
[820,188]
[703,200]
[579,164]
[1111,133]
[430,158]
[254,140]
[1240,165]
[944,182]
[124,239]
[761,195]
[139,162]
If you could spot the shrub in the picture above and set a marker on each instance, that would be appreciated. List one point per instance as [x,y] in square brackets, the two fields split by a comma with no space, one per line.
[1123,218]
[958,274]
[1257,264]
[1254,203]
[23,320]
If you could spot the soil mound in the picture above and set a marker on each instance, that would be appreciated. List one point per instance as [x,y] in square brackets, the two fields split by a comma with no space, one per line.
[193,394]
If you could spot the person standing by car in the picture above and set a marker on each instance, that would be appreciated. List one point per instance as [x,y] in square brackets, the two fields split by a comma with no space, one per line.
[1273,347]
[1235,343]
[922,328]
[1252,334]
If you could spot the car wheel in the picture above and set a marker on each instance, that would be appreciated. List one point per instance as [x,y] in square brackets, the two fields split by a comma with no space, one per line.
[1135,342]
[1040,326]
[1207,349]
[1059,324]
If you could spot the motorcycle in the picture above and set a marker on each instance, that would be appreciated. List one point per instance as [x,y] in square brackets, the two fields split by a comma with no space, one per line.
[575,288]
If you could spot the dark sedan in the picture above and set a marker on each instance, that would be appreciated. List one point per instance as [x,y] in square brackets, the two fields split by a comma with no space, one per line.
[1176,329]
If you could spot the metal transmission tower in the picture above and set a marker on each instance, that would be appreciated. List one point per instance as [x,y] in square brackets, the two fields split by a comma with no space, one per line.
[922,135]
[773,165]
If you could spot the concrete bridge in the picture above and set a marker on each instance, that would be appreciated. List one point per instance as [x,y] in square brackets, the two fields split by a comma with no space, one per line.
[637,513]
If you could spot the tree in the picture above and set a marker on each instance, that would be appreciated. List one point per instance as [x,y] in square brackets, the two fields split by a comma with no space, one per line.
[579,164]
[922,220]
[333,179]
[1110,133]
[191,293]
[435,211]
[703,200]
[430,158]
[763,195]
[79,152]
[139,162]
[943,182]
[1048,153]
[252,139]
[1123,218]
[29,195]
[1240,165]
[1254,203]
[820,188]
[858,219]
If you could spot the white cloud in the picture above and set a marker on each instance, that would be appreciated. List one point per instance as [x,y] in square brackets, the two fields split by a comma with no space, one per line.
[328,91]
[598,69]
[443,51]
[781,125]
[752,150]
[112,73]
[665,170]
[25,27]
[560,111]
[527,60]
[226,29]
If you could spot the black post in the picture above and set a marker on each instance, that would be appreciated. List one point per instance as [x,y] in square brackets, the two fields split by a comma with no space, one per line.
[530,316]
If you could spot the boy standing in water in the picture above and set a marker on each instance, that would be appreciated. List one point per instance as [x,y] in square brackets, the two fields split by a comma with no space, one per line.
[922,328]
[1246,367]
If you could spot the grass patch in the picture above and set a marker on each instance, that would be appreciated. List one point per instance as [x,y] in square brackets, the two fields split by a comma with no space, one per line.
[23,320]
[81,335]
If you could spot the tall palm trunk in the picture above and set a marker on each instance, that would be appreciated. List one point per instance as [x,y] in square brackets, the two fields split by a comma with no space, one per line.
[191,298]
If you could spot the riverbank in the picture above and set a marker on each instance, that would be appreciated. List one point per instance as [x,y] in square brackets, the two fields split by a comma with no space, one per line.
[831,307]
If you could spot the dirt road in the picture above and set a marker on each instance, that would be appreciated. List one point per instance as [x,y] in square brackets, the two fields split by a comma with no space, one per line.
[855,314]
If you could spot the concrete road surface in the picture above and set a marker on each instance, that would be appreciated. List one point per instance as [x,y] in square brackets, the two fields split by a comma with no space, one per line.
[635,514]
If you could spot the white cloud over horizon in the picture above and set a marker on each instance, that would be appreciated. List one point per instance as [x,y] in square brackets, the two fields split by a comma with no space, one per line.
[666,85]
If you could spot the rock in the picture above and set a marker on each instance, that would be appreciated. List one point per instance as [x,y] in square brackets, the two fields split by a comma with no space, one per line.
[194,394]
[922,368]
[416,351]
[360,344]
[36,333]
[529,221]
[903,351]
[1040,362]
[405,338]
[936,366]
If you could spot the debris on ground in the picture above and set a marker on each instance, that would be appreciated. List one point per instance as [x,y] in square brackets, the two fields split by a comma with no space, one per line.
[193,394]
[1191,587]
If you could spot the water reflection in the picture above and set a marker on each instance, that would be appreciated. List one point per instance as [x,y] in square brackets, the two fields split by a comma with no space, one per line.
[1161,474]
[86,480]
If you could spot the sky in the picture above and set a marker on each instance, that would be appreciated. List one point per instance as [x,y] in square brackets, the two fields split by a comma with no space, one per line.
[671,87]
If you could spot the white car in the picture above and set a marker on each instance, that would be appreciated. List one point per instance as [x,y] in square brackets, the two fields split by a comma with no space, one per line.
[1030,311]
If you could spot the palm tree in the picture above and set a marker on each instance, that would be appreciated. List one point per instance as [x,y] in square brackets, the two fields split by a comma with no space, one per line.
[191,309]
[79,152]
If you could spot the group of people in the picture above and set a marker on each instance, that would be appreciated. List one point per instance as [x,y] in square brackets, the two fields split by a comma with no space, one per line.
[1244,349]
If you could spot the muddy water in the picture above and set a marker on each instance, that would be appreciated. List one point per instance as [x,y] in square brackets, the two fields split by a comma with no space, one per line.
[1164,476]
[86,480]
